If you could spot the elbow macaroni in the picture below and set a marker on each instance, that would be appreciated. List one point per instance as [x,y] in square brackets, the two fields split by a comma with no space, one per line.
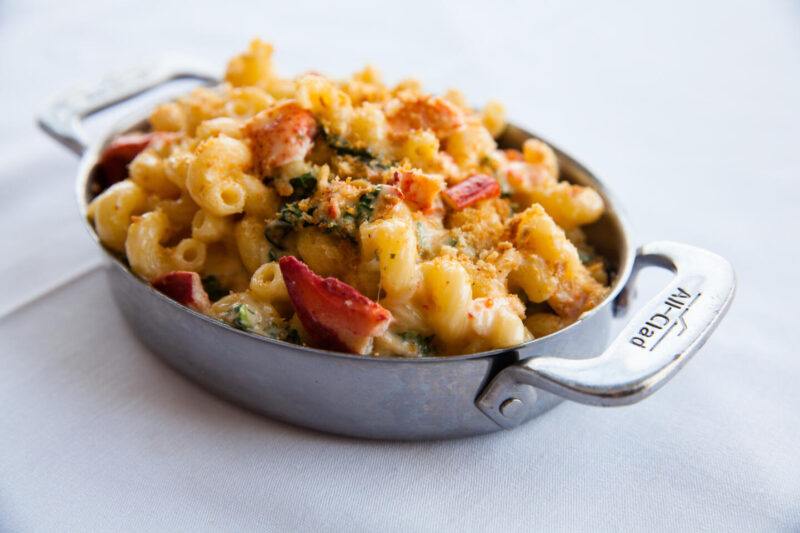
[354,189]
[112,211]
[150,258]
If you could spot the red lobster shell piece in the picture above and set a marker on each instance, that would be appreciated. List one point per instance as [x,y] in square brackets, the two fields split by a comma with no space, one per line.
[471,190]
[122,150]
[335,315]
[185,288]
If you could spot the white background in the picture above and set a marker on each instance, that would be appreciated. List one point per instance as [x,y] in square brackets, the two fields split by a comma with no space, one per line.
[687,110]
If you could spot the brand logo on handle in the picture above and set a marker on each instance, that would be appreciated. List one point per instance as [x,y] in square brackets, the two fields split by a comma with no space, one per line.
[660,324]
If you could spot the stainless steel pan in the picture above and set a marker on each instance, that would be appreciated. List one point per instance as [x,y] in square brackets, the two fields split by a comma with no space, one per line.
[433,397]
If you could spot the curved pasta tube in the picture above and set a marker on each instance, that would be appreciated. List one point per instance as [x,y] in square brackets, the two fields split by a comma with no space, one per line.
[325,254]
[251,67]
[448,286]
[267,284]
[495,321]
[323,98]
[535,231]
[168,116]
[219,126]
[539,153]
[535,277]
[189,254]
[210,228]
[180,211]
[493,118]
[368,126]
[211,178]
[470,144]
[176,167]
[112,211]
[394,242]
[149,172]
[244,102]
[260,201]
[253,245]
[222,262]
[421,148]
[149,258]
[543,324]
[569,205]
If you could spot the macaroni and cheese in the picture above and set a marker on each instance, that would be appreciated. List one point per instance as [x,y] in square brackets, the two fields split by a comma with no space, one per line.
[350,215]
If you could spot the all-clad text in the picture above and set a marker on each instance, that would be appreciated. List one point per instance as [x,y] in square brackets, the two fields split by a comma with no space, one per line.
[674,307]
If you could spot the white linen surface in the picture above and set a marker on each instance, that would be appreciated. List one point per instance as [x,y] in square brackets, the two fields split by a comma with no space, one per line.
[689,111]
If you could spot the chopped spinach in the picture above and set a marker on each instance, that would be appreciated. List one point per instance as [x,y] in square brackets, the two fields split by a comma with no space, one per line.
[342,147]
[275,231]
[298,214]
[245,318]
[366,203]
[289,217]
[423,344]
[291,214]
[213,288]
[292,336]
[303,185]
[282,333]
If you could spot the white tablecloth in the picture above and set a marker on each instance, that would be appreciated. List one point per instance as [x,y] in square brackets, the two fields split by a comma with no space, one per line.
[688,111]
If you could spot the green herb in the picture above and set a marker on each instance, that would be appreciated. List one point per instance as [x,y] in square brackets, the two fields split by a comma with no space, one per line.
[356,152]
[282,333]
[275,231]
[452,241]
[303,185]
[289,217]
[272,257]
[344,228]
[586,257]
[423,344]
[392,256]
[213,288]
[292,336]
[291,214]
[245,318]
[366,203]
[342,147]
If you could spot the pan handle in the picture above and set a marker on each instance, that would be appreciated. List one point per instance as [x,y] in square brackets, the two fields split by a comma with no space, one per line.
[61,119]
[652,347]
